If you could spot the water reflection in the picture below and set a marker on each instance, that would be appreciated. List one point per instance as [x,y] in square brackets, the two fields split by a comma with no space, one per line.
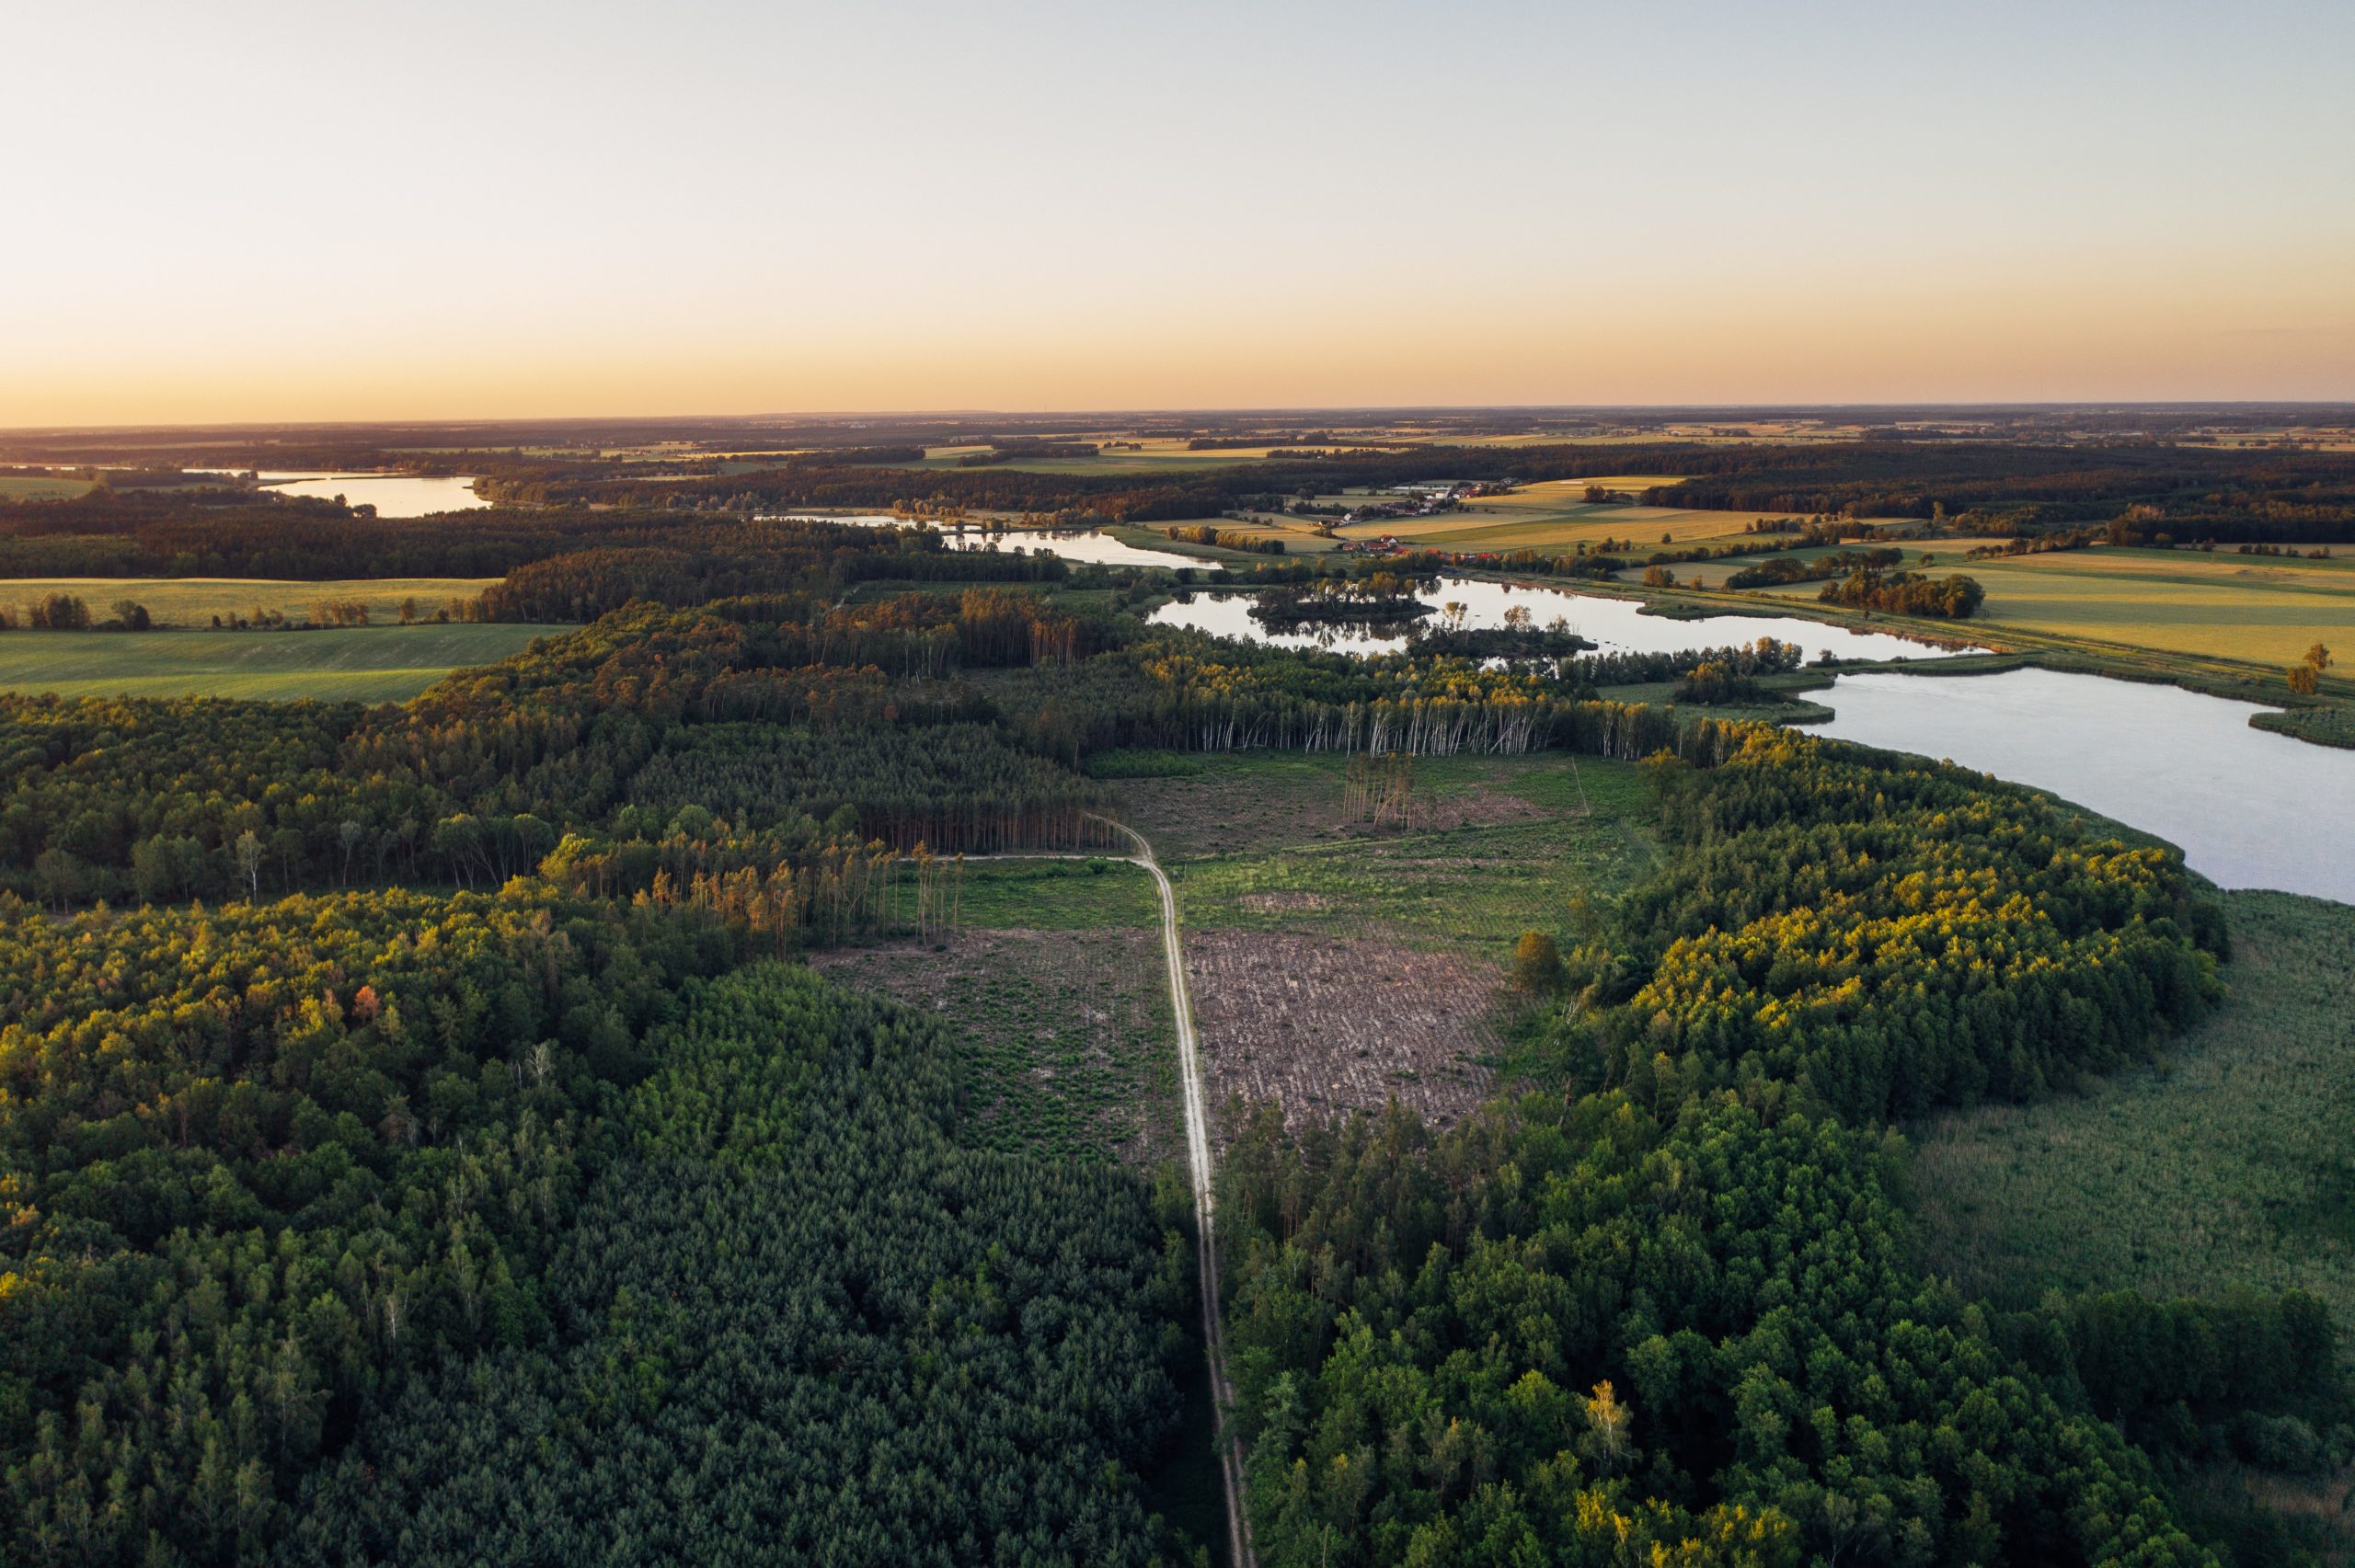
[1072,544]
[1613,625]
[393,495]
[1080,544]
[2250,808]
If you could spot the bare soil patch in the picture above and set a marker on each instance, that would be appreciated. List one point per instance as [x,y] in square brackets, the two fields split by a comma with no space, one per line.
[1323,1025]
[1268,903]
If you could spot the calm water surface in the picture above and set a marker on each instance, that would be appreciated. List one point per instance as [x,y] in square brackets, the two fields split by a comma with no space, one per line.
[393,495]
[2249,808]
[1072,544]
[1077,545]
[1615,623]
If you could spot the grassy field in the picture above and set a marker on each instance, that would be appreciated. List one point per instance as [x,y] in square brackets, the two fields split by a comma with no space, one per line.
[1058,895]
[2227,1163]
[193,602]
[371,664]
[40,488]
[1055,988]
[1473,887]
[1937,555]
[2267,608]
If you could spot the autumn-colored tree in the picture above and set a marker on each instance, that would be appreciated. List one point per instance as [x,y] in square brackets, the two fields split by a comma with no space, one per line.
[1537,964]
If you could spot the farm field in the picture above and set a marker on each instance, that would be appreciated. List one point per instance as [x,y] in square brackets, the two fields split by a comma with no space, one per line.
[193,602]
[2225,1164]
[1335,965]
[369,664]
[1935,555]
[1156,455]
[1056,992]
[2269,609]
[1776,432]
[1555,514]
[41,488]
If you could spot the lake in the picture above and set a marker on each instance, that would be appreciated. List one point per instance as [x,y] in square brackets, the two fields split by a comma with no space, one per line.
[1070,544]
[1073,544]
[1617,625]
[2249,808]
[393,495]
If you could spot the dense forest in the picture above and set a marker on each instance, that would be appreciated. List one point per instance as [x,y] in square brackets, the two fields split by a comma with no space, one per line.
[2139,489]
[418,1143]
[2186,492]
[1674,1310]
[770,734]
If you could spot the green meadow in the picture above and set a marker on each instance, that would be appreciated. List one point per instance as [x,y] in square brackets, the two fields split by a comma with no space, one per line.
[41,488]
[371,664]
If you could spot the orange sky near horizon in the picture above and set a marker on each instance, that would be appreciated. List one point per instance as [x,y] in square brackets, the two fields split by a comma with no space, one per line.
[275,212]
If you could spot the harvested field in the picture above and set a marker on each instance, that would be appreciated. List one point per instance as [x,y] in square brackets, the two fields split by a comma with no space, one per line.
[1065,1035]
[1322,1025]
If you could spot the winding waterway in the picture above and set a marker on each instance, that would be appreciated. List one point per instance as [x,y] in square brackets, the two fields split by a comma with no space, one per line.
[2249,808]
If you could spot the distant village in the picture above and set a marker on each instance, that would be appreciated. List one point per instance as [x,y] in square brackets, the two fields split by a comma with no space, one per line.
[1420,498]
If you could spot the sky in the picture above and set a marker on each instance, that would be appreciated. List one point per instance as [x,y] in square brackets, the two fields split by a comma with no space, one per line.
[259,211]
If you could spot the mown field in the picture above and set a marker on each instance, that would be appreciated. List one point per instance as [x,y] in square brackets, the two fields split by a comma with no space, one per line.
[1056,989]
[193,602]
[369,664]
[2225,1166]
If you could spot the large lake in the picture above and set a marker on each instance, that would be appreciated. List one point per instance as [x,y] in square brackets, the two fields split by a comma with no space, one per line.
[2250,808]
[393,495]
[1617,625]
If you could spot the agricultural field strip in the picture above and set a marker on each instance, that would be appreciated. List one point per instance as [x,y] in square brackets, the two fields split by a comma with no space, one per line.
[193,601]
[361,663]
